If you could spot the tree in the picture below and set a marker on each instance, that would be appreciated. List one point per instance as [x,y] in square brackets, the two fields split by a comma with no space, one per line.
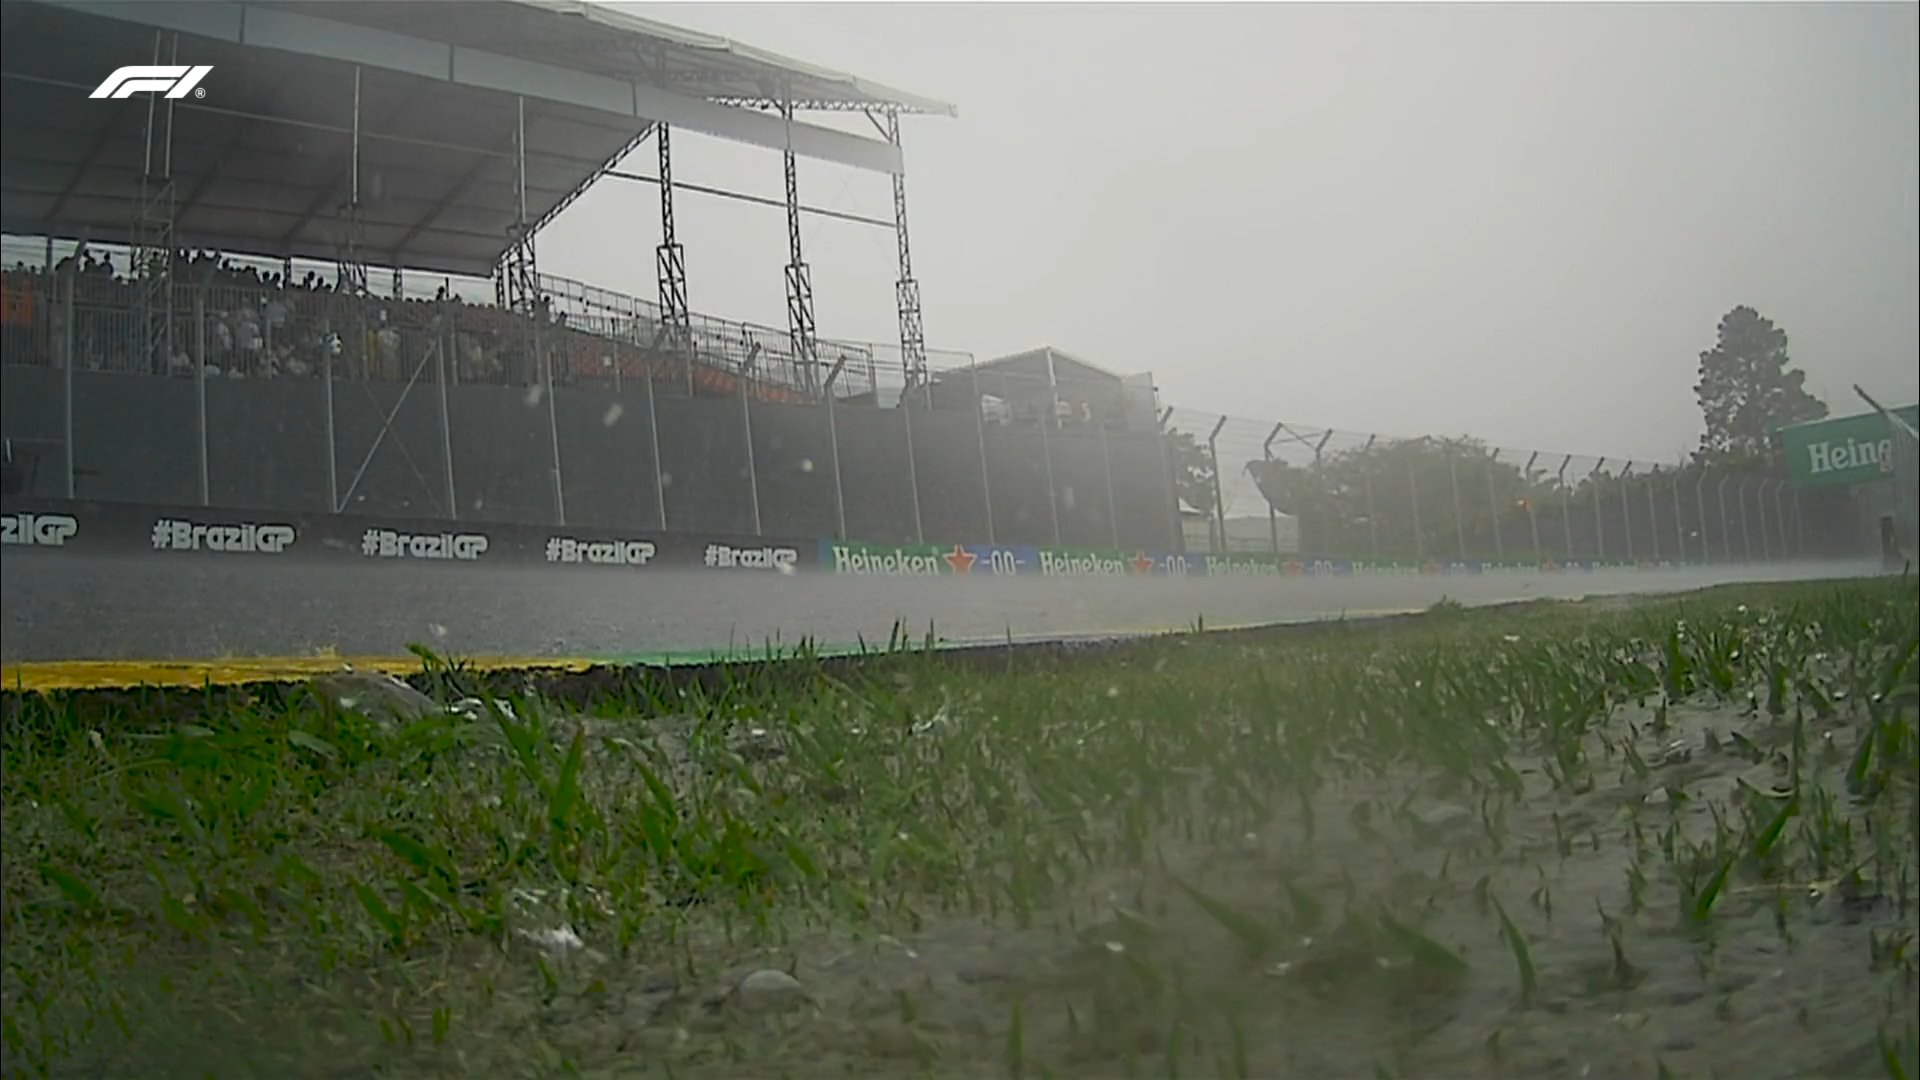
[1747,391]
[1363,500]
[1192,471]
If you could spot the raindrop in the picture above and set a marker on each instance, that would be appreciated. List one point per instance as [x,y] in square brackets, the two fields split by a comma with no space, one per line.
[1066,497]
[806,464]
[437,630]
[666,479]
[534,395]
[613,414]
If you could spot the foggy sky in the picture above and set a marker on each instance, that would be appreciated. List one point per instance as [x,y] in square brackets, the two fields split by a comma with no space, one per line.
[1516,222]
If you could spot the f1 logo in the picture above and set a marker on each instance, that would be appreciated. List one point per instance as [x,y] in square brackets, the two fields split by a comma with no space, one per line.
[174,80]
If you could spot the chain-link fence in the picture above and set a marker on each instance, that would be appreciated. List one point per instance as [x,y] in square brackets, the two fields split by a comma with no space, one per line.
[249,383]
[1322,493]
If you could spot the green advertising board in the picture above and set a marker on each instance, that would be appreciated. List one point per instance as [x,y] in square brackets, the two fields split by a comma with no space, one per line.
[1846,450]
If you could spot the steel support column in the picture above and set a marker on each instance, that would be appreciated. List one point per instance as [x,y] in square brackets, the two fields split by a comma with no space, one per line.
[746,424]
[448,341]
[801,338]
[833,451]
[913,338]
[670,262]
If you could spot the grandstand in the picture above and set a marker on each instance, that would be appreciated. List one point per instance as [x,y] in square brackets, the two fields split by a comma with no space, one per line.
[312,284]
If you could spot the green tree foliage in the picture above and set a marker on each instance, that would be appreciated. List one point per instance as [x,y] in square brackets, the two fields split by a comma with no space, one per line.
[1747,390]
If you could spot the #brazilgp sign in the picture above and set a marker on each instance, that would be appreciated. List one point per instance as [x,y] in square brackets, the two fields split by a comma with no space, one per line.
[1846,450]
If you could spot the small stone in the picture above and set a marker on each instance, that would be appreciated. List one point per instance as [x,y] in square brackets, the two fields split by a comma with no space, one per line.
[768,990]
[381,697]
[1442,818]
[1658,797]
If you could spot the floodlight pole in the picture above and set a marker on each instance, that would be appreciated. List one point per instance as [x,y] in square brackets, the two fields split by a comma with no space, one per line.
[1273,517]
[1599,525]
[1626,509]
[800,325]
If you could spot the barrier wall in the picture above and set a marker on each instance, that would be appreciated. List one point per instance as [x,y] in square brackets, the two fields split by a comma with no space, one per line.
[485,453]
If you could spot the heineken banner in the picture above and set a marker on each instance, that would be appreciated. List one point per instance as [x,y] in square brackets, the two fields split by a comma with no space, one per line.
[1845,450]
[989,560]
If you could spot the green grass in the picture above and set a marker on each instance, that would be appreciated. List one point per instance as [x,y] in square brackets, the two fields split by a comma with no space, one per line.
[1248,856]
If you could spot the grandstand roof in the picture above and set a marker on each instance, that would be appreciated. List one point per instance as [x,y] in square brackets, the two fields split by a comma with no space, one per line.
[262,161]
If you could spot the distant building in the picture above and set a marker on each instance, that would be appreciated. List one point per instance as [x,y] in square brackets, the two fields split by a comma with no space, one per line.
[1046,382]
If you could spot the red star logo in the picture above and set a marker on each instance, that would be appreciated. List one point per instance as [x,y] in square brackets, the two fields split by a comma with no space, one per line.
[961,560]
[1142,566]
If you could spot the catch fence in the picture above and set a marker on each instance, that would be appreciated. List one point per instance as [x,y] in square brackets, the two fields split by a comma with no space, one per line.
[253,383]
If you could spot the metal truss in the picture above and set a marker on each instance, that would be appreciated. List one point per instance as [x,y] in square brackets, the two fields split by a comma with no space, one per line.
[670,259]
[153,218]
[913,336]
[802,338]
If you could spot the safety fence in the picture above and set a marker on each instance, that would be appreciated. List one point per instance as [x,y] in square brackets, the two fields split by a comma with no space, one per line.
[250,384]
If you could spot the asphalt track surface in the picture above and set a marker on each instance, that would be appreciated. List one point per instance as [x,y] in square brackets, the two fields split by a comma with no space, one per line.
[65,607]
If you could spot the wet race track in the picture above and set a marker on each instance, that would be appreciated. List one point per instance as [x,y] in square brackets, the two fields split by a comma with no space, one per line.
[64,607]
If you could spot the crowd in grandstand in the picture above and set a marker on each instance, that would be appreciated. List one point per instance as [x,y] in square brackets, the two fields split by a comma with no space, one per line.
[265,324]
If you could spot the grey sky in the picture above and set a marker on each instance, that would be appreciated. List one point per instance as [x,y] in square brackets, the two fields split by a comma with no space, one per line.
[1518,222]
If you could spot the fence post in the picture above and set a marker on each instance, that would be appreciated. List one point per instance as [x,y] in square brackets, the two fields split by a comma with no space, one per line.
[1373,524]
[1679,527]
[1178,538]
[1113,508]
[200,387]
[653,441]
[1493,508]
[1459,516]
[553,418]
[1566,506]
[1726,530]
[1217,546]
[980,437]
[1700,508]
[1273,518]
[1533,513]
[1413,496]
[1599,526]
[1626,509]
[1653,515]
[1780,519]
[833,450]
[449,339]
[334,337]
[66,376]
[746,425]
